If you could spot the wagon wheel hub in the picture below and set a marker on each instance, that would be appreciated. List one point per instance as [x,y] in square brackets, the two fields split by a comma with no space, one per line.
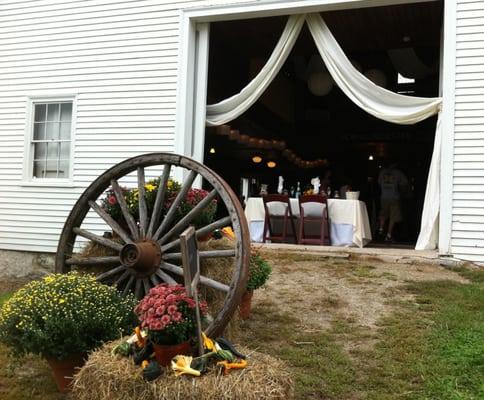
[143,257]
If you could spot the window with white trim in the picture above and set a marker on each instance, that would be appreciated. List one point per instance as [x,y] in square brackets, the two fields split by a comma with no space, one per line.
[51,139]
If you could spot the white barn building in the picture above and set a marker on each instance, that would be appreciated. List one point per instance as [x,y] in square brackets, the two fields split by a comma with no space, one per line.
[129,77]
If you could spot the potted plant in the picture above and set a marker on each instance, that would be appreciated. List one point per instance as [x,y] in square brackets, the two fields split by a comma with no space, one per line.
[63,317]
[259,271]
[194,196]
[167,313]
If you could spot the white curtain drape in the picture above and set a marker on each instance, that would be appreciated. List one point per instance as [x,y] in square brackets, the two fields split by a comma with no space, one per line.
[229,109]
[375,100]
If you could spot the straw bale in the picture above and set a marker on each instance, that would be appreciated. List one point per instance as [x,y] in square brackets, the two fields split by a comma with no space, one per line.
[108,377]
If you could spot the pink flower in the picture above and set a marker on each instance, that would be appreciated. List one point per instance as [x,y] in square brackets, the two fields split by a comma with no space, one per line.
[151,311]
[177,316]
[172,309]
[170,297]
[165,319]
[157,326]
[112,200]
[160,310]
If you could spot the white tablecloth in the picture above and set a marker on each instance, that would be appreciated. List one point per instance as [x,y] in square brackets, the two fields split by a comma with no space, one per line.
[349,220]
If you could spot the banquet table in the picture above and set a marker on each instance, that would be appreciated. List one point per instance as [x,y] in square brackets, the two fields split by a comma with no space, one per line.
[349,222]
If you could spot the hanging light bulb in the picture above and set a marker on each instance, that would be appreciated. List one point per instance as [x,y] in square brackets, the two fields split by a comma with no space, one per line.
[212,150]
[370,157]
[257,159]
[271,164]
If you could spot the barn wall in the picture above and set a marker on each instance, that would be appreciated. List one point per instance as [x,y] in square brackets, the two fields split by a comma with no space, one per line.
[467,240]
[119,57]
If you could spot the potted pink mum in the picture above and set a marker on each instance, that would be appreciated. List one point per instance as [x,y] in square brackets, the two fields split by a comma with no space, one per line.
[168,314]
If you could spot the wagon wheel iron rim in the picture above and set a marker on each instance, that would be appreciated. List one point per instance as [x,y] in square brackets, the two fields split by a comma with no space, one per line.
[150,249]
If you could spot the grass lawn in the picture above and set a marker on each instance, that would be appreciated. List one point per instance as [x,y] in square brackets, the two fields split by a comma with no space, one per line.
[348,330]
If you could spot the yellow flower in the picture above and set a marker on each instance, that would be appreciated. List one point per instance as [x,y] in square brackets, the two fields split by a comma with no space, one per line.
[181,366]
[150,187]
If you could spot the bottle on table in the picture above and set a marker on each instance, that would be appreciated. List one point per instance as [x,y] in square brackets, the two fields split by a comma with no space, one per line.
[298,190]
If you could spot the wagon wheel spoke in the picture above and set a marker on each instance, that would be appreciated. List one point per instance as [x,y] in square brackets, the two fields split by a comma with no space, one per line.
[187,184]
[122,278]
[98,239]
[154,280]
[138,289]
[93,260]
[110,273]
[129,285]
[143,210]
[111,222]
[185,221]
[203,279]
[160,198]
[202,254]
[165,277]
[146,285]
[220,223]
[124,209]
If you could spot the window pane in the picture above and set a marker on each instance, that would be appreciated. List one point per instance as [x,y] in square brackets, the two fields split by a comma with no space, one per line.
[39,169]
[65,150]
[66,112]
[40,112]
[39,131]
[65,130]
[63,169]
[52,112]
[52,131]
[51,171]
[53,151]
[40,150]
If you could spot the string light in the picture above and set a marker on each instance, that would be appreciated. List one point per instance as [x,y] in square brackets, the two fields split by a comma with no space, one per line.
[212,151]
[271,164]
[257,159]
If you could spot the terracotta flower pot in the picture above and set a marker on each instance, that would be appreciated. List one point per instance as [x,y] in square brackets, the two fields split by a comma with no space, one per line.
[164,353]
[246,304]
[64,370]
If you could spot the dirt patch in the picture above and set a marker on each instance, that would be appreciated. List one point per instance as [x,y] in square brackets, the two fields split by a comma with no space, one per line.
[317,291]
[12,284]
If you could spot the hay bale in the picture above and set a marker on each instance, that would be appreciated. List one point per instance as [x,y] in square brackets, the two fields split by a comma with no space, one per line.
[108,377]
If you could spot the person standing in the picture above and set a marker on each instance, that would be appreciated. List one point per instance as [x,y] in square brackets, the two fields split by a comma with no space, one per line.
[393,184]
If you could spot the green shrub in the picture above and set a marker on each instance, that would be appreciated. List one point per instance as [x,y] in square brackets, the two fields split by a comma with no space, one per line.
[259,271]
[64,314]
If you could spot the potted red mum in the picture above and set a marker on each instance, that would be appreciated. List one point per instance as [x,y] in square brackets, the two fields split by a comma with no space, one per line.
[168,314]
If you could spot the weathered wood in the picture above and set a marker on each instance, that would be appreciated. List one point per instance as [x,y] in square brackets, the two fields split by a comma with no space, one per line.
[124,209]
[143,210]
[220,223]
[203,279]
[185,221]
[146,285]
[159,201]
[109,273]
[201,254]
[154,280]
[111,222]
[98,239]
[138,291]
[121,278]
[228,200]
[187,184]
[129,285]
[93,260]
[165,277]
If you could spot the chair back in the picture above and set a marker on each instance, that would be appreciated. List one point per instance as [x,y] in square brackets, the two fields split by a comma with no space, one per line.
[276,204]
[313,205]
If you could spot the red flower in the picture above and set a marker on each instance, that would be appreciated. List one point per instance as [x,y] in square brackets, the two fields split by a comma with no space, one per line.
[165,319]
[172,309]
[112,200]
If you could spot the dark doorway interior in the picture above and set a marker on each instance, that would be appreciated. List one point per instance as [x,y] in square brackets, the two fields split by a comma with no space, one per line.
[398,39]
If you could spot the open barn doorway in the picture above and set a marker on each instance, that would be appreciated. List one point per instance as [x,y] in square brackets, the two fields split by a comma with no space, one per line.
[303,111]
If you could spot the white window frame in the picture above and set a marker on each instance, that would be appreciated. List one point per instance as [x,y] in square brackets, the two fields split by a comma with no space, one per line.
[28,175]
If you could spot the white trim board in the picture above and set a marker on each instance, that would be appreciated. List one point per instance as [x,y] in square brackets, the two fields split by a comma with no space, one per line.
[191,115]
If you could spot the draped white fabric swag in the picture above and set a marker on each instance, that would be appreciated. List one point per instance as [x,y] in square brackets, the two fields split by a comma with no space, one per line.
[375,100]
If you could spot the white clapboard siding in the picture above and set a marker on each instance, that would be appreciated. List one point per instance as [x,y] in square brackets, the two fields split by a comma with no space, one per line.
[120,59]
[467,240]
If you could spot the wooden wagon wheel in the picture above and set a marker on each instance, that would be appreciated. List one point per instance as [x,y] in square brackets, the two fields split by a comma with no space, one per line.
[149,252]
